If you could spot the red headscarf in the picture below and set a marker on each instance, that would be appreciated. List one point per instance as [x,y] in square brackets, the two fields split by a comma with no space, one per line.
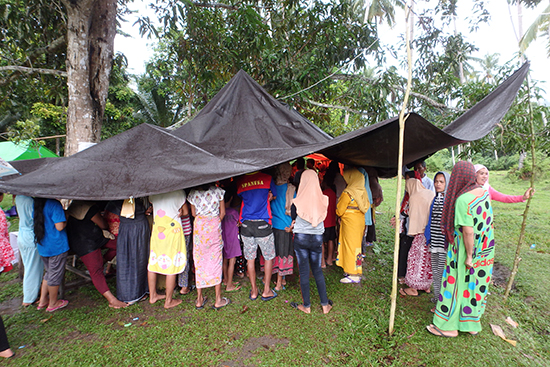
[463,179]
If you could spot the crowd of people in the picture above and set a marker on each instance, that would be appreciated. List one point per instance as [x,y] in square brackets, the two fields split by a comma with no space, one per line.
[321,215]
[204,236]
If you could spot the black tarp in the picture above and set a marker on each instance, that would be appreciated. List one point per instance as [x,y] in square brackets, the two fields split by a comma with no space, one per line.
[243,129]
[245,123]
[377,145]
[142,161]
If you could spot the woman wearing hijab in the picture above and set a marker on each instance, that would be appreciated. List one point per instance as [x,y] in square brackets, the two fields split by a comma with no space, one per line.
[308,211]
[468,227]
[351,208]
[434,233]
[482,179]
[419,266]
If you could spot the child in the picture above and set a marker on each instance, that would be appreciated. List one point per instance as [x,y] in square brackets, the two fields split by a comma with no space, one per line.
[434,235]
[231,243]
[53,246]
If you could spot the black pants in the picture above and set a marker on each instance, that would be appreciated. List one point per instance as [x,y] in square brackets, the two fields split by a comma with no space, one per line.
[405,243]
[3,337]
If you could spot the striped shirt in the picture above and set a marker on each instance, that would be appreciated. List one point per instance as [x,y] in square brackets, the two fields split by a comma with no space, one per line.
[437,243]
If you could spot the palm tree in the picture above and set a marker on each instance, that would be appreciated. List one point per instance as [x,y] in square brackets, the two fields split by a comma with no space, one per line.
[378,9]
[540,25]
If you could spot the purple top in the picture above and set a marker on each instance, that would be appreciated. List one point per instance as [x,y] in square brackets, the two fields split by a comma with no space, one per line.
[230,234]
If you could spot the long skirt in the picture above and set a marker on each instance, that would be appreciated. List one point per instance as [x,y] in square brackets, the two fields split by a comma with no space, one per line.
[352,230]
[207,251]
[132,258]
[464,291]
[419,265]
[34,267]
[283,263]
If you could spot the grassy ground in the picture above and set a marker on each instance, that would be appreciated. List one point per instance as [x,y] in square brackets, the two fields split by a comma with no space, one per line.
[256,333]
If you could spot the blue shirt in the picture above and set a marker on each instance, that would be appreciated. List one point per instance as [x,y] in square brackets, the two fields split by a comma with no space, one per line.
[54,242]
[25,209]
[254,190]
[278,208]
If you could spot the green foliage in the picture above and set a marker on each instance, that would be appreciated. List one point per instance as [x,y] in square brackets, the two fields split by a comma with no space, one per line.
[440,161]
[24,130]
[32,34]
[542,167]
[287,47]
[121,103]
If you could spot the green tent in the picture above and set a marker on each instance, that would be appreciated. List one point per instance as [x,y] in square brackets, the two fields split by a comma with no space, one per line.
[11,151]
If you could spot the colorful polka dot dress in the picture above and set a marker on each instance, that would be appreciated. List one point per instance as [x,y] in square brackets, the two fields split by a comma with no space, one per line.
[464,291]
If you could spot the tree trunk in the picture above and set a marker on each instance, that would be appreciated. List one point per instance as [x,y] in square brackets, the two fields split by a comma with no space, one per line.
[91,27]
[522,156]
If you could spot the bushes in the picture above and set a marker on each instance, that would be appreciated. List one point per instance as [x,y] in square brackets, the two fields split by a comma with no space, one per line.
[542,168]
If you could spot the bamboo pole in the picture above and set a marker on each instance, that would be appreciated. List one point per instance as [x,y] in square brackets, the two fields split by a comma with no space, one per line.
[402,119]
[517,259]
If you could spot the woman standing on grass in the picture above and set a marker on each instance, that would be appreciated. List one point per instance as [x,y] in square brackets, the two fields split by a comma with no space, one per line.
[419,265]
[34,267]
[482,179]
[468,225]
[132,248]
[53,246]
[208,208]
[434,233]
[351,208]
[308,211]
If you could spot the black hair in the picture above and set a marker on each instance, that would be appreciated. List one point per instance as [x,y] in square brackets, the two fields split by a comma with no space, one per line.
[39,228]
[300,163]
[408,174]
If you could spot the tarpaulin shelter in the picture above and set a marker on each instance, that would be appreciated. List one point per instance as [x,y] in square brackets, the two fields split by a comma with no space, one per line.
[142,161]
[241,130]
[12,151]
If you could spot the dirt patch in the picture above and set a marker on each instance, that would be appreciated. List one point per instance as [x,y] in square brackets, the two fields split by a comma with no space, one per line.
[77,335]
[12,306]
[252,348]
[501,274]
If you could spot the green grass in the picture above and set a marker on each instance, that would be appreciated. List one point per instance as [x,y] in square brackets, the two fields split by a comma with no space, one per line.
[258,333]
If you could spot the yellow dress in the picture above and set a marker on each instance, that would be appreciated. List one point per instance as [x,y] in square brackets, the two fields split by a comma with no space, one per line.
[352,229]
[168,253]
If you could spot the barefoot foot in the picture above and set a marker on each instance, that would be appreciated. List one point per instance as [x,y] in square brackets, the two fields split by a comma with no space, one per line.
[171,302]
[156,297]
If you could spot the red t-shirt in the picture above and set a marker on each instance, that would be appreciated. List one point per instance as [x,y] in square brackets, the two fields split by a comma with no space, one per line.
[330,220]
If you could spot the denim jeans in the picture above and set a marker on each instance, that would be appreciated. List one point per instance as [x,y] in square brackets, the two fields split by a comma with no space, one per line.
[308,248]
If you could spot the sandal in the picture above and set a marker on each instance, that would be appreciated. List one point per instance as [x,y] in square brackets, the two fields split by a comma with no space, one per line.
[64,303]
[227,301]
[349,280]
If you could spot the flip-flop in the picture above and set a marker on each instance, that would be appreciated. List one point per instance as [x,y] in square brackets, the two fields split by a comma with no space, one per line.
[227,301]
[294,305]
[403,292]
[204,300]
[41,307]
[64,303]
[347,280]
[435,331]
[252,298]
[270,297]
